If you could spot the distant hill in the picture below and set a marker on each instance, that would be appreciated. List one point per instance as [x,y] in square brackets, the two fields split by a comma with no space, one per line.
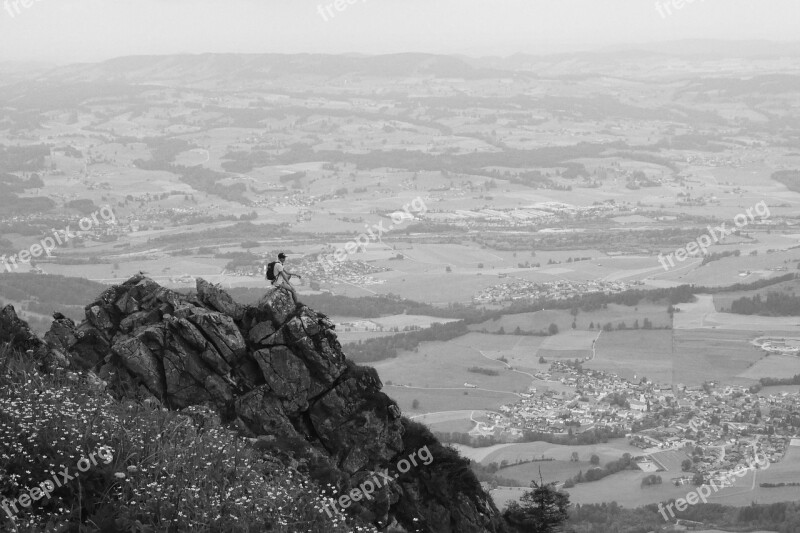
[251,67]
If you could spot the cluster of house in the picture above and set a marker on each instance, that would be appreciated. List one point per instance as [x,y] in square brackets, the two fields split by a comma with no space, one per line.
[552,290]
[549,411]
[705,160]
[287,201]
[350,272]
[521,216]
[729,424]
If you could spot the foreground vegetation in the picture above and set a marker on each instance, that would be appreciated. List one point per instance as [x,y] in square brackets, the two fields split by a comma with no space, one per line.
[169,471]
[612,518]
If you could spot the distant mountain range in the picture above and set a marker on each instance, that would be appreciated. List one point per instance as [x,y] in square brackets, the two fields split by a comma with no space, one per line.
[200,68]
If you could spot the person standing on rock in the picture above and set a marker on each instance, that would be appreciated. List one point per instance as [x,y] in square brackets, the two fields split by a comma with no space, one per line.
[280,276]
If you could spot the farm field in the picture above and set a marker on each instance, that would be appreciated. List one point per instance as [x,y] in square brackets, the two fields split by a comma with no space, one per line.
[436,400]
[446,365]
[345,336]
[426,286]
[381,327]
[732,270]
[571,340]
[714,355]
[614,314]
[671,460]
[551,471]
[635,353]
[774,366]
[704,314]
[723,301]
[625,489]
[478,454]
[569,355]
[521,351]
[779,389]
[610,451]
[786,471]
[450,421]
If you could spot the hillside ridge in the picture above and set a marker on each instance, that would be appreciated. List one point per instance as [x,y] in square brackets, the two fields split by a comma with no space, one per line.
[275,371]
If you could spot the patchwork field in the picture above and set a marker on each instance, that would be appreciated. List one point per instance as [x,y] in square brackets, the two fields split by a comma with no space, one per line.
[380,327]
[723,301]
[786,471]
[436,400]
[703,314]
[450,421]
[614,314]
[625,489]
[773,366]
[671,461]
[635,353]
[714,355]
[446,365]
[610,451]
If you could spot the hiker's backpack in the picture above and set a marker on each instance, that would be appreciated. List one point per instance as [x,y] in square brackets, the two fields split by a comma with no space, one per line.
[271,271]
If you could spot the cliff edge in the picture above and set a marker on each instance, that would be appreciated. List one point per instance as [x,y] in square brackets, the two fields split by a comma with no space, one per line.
[278,373]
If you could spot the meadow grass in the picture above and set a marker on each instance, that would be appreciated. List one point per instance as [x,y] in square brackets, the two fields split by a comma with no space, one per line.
[167,471]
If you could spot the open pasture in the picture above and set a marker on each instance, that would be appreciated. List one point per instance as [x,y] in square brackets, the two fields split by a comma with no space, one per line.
[430,285]
[671,460]
[563,318]
[610,451]
[446,365]
[435,400]
[732,270]
[773,366]
[635,353]
[703,313]
[723,301]
[625,489]
[571,340]
[451,421]
[786,471]
[521,351]
[714,355]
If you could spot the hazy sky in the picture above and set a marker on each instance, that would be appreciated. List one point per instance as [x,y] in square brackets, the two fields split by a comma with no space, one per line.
[91,30]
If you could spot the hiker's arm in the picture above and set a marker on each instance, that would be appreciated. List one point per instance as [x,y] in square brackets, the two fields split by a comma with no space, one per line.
[290,274]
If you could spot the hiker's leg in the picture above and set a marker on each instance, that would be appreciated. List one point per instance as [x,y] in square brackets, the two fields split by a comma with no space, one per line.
[291,291]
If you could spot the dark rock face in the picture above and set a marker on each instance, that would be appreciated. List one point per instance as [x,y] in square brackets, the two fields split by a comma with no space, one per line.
[274,370]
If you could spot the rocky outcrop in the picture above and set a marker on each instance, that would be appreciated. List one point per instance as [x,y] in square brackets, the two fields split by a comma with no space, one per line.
[275,370]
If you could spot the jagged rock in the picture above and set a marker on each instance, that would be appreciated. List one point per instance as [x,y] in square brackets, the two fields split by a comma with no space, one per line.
[260,332]
[222,332]
[219,300]
[288,378]
[138,359]
[275,370]
[277,304]
[15,332]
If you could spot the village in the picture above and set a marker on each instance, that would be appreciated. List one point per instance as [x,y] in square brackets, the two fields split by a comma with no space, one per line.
[696,433]
[553,290]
